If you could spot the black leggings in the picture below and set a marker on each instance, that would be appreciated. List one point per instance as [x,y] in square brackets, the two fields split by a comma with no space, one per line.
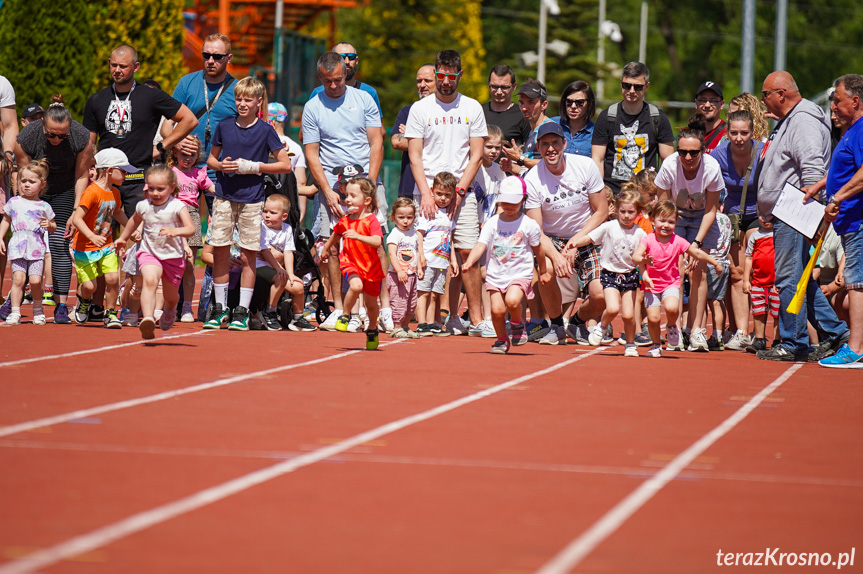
[61,261]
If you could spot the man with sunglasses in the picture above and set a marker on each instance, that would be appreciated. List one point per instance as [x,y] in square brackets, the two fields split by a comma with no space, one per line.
[709,102]
[209,93]
[500,110]
[631,135]
[126,116]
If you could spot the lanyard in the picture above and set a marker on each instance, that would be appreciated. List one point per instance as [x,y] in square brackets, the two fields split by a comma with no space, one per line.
[215,99]
[121,111]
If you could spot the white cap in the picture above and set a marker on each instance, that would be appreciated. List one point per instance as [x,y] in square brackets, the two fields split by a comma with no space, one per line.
[512,190]
[112,157]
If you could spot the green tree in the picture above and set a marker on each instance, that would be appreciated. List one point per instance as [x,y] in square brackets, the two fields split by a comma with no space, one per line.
[47,48]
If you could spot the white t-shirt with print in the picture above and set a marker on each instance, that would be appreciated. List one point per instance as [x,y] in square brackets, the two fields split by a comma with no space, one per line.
[155,218]
[689,193]
[446,130]
[486,185]
[406,249]
[509,248]
[616,245]
[437,239]
[563,200]
[279,239]
[723,246]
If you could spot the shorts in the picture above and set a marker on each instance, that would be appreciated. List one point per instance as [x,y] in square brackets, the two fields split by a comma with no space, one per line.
[523,284]
[246,216]
[172,269]
[434,280]
[28,266]
[688,224]
[266,273]
[656,299]
[762,297]
[90,265]
[466,229]
[623,282]
[403,296]
[852,243]
[586,261]
[132,192]
[196,240]
[130,261]
[717,283]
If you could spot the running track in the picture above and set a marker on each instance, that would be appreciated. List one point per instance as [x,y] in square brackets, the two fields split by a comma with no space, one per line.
[297,452]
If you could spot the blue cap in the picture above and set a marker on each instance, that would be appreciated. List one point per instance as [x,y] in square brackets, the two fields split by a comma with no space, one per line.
[549,128]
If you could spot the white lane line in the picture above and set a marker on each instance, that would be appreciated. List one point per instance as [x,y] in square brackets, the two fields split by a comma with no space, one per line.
[578,549]
[158,515]
[97,349]
[79,414]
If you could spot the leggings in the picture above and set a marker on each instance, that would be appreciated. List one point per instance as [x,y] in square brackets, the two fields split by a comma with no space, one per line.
[61,261]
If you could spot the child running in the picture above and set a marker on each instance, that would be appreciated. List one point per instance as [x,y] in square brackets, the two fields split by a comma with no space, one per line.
[28,217]
[618,273]
[407,264]
[359,261]
[160,254]
[192,181]
[515,241]
[658,259]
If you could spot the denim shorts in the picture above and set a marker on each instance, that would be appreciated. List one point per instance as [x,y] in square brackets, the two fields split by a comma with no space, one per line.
[623,282]
[688,224]
[852,243]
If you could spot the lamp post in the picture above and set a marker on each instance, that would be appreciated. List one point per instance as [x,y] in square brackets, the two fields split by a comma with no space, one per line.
[545,6]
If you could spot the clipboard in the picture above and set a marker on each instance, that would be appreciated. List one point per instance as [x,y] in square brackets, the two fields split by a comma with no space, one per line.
[804,217]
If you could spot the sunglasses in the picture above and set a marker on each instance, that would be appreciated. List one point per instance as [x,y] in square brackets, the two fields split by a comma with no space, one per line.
[52,136]
[576,103]
[349,56]
[711,102]
[627,86]
[765,93]
[216,57]
[450,77]
[689,152]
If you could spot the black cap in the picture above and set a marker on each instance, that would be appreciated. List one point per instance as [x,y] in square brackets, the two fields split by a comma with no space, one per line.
[532,91]
[712,86]
[549,128]
[32,110]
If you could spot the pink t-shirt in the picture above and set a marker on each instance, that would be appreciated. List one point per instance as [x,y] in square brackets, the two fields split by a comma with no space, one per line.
[665,271]
[191,183]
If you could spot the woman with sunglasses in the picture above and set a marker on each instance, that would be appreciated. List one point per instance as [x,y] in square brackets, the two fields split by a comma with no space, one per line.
[65,144]
[692,180]
[577,106]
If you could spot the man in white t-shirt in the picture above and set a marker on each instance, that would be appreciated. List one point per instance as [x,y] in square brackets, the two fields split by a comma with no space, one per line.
[445,133]
[565,197]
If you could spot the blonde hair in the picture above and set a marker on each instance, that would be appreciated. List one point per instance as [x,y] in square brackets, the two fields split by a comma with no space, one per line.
[219,38]
[39,168]
[632,196]
[494,132]
[172,159]
[402,202]
[609,194]
[283,202]
[751,104]
[162,170]
[368,189]
[250,87]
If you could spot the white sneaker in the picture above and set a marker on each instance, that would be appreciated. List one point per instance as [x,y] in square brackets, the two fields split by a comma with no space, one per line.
[130,319]
[39,319]
[385,320]
[330,323]
[188,316]
[594,336]
[157,314]
[655,351]
[13,319]
[738,341]
[697,342]
[555,336]
[455,326]
[630,350]
[357,324]
[672,335]
[484,329]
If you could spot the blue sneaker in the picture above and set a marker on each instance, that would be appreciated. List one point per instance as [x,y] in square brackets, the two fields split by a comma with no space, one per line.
[61,315]
[6,308]
[536,330]
[844,358]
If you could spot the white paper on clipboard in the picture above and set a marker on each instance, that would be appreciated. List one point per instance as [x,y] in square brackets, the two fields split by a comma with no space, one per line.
[804,217]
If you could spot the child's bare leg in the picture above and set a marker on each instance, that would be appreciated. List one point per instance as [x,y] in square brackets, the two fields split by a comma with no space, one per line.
[423,300]
[135,293]
[612,309]
[171,295]
[498,314]
[355,287]
[86,290]
[16,293]
[295,288]
[372,310]
[49,282]
[654,316]
[486,300]
[672,310]
[514,300]
[36,290]
[435,312]
[189,276]
[150,276]
[335,276]
[276,290]
[160,297]
[718,308]
[760,322]
[627,312]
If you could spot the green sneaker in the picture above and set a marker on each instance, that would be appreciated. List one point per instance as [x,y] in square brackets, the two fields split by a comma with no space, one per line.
[342,323]
[239,319]
[48,296]
[217,317]
[111,320]
[372,340]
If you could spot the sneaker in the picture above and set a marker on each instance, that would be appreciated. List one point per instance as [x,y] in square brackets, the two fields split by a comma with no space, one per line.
[95,313]
[594,335]
[438,330]
[556,336]
[13,319]
[738,341]
[82,311]
[330,323]
[483,329]
[343,323]
[781,353]
[48,296]
[643,340]
[580,333]
[355,324]
[756,345]
[188,316]
[112,321]
[454,326]
[6,308]
[500,347]
[28,296]
[630,350]
[844,358]
[239,319]
[129,319]
[385,320]
[157,314]
[372,339]
[672,333]
[39,319]
[399,333]
[622,338]
[167,320]
[424,330]
[301,324]
[828,348]
[655,351]
[697,342]
[537,330]
[217,317]
[256,322]
[684,340]
[271,321]
[713,344]
[519,337]
[61,315]
[608,336]
[147,327]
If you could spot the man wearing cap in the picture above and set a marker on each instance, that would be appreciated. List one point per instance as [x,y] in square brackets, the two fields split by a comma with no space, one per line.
[126,118]
[533,101]
[500,110]
[425,87]
[631,135]
[565,197]
[32,113]
[709,103]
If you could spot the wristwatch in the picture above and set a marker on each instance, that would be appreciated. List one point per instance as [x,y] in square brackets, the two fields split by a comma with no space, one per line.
[834,201]
[461,191]
[520,160]
[160,147]
[699,243]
